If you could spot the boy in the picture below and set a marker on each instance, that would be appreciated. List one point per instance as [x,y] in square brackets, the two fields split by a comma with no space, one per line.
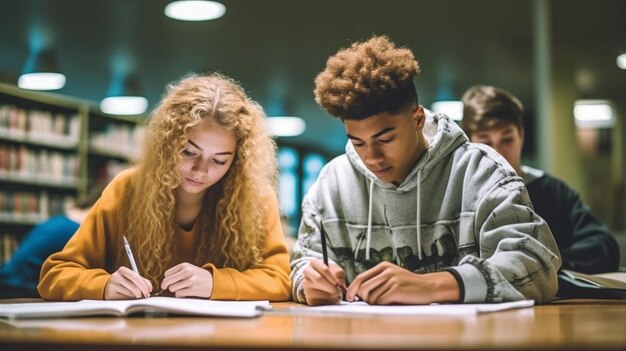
[494,117]
[476,239]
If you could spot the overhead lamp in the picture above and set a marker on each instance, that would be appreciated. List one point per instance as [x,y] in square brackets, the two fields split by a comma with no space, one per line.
[621,61]
[194,10]
[124,97]
[41,72]
[452,109]
[285,126]
[594,114]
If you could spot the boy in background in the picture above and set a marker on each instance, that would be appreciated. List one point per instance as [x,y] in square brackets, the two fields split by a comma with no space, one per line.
[494,117]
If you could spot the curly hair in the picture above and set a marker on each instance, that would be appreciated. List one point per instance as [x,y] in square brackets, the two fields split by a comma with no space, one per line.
[486,107]
[233,216]
[367,78]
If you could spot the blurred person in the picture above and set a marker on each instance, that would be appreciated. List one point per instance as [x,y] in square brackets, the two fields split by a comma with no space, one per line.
[494,117]
[20,275]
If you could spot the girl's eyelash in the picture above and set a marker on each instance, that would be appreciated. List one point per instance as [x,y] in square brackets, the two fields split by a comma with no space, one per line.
[220,162]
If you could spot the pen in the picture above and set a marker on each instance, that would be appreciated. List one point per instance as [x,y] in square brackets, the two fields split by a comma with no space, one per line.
[131,258]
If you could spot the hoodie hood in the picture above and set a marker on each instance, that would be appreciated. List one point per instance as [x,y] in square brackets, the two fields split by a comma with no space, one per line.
[442,136]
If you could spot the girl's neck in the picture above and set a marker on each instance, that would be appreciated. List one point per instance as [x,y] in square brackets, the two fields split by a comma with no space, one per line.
[188,207]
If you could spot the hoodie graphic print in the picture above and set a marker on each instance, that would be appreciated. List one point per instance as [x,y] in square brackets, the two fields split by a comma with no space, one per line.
[461,207]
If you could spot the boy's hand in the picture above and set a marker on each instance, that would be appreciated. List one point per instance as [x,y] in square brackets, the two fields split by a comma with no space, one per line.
[126,284]
[323,285]
[388,283]
[186,280]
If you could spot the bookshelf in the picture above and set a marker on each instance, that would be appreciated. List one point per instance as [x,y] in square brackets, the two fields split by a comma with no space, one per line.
[53,149]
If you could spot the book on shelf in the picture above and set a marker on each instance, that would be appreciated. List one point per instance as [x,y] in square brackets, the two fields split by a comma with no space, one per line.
[574,284]
[119,308]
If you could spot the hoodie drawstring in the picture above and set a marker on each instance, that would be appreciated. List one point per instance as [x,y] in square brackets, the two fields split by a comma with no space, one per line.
[418,222]
[369,222]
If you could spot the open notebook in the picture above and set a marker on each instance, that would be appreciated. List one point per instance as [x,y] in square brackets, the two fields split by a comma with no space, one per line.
[153,305]
[458,310]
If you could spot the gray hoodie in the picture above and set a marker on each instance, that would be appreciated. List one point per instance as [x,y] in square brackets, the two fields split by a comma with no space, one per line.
[474,216]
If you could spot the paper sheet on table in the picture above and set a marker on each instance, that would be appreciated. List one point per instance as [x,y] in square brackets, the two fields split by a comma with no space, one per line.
[414,310]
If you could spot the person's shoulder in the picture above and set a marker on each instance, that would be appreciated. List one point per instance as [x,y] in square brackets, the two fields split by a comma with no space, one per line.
[56,223]
[337,166]
[482,158]
[59,220]
[119,184]
[553,184]
[123,178]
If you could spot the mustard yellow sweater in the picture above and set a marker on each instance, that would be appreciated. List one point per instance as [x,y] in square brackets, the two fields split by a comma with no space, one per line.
[83,268]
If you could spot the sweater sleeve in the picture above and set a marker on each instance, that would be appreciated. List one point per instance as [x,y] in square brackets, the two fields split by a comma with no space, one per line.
[585,243]
[308,246]
[269,280]
[594,249]
[79,270]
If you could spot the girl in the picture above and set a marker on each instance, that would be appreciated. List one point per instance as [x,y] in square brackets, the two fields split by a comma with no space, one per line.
[199,211]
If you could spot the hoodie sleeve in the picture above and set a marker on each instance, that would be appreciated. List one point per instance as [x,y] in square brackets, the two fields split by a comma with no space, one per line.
[308,246]
[518,257]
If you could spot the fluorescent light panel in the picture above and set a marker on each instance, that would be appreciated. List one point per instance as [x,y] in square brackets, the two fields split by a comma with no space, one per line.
[594,114]
[41,81]
[621,61]
[452,109]
[285,126]
[124,105]
[194,10]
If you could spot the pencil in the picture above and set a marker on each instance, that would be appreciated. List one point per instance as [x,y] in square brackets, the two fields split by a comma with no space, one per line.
[324,248]
[341,286]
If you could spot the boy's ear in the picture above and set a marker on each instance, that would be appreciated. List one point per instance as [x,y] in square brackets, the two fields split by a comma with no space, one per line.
[418,116]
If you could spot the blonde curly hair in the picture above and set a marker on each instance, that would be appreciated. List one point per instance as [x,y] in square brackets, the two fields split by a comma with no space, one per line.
[367,78]
[234,215]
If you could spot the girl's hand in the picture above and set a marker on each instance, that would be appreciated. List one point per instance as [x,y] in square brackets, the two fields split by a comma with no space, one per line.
[186,280]
[126,284]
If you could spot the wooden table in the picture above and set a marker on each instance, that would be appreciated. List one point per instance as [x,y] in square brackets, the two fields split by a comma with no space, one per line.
[564,325]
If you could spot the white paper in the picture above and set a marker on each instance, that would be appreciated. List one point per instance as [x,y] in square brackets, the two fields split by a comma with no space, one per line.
[198,307]
[414,310]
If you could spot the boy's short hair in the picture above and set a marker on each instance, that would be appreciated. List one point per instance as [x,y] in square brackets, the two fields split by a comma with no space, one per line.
[367,78]
[486,107]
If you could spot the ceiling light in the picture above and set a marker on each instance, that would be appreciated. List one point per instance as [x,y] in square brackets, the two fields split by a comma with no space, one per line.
[194,10]
[452,109]
[124,105]
[285,126]
[594,114]
[621,61]
[41,72]
[124,97]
